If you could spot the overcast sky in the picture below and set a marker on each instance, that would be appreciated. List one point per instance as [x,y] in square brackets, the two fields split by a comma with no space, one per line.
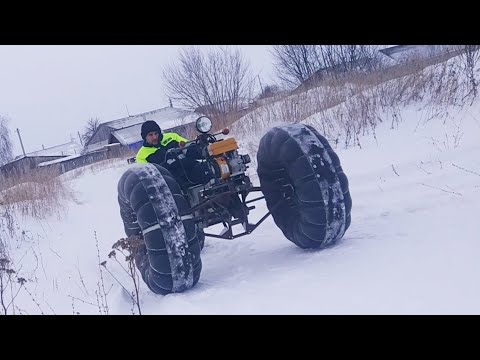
[50,91]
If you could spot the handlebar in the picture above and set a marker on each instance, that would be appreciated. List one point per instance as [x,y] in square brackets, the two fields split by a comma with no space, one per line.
[202,140]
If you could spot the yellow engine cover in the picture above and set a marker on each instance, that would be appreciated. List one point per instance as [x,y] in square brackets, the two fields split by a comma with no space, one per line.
[222,146]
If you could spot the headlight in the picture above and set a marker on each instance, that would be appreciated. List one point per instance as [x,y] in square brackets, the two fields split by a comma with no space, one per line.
[204,124]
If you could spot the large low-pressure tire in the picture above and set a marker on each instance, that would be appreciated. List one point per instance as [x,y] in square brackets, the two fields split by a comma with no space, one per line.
[151,204]
[314,212]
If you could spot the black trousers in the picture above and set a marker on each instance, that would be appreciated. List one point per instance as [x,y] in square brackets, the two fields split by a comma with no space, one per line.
[188,171]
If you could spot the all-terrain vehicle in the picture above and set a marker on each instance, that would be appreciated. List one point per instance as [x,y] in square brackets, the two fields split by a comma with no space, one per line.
[301,180]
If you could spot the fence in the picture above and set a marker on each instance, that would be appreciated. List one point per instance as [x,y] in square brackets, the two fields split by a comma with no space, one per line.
[108,152]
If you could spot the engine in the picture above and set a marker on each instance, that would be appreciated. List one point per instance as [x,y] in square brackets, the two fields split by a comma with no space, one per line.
[228,169]
[227,163]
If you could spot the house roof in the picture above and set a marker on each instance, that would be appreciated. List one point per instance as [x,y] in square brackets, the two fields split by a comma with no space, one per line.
[166,118]
[70,148]
[131,134]
[21,157]
[400,52]
[128,135]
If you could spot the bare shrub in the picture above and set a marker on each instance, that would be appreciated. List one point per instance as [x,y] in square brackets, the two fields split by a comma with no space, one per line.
[469,58]
[10,285]
[128,247]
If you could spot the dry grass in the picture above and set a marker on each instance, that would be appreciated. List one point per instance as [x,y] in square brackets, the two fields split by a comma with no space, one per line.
[42,193]
[38,194]
[347,107]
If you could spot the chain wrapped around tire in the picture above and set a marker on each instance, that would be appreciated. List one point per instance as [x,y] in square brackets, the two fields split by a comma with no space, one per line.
[151,204]
[304,185]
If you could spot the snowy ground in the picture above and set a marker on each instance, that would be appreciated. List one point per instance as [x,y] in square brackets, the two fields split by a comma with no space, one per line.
[412,248]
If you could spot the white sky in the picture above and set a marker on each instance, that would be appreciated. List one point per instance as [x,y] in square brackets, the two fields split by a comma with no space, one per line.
[50,91]
[412,247]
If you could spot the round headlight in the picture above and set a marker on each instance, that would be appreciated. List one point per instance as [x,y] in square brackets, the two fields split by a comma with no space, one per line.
[204,124]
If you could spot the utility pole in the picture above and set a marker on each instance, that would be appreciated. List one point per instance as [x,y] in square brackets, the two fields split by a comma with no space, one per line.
[21,143]
[127,110]
[81,143]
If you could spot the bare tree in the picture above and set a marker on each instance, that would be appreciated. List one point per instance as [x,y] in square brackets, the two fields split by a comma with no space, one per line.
[218,81]
[6,145]
[346,58]
[295,64]
[90,129]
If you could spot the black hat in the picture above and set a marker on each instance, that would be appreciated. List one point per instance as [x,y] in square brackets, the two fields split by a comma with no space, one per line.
[149,126]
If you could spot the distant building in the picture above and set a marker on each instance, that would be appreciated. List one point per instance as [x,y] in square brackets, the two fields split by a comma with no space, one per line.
[126,131]
[67,149]
[24,163]
[402,53]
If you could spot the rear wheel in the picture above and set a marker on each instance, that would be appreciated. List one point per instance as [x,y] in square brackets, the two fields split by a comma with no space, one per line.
[304,185]
[151,204]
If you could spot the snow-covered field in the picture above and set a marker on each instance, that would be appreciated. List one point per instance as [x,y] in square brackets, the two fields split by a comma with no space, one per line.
[412,247]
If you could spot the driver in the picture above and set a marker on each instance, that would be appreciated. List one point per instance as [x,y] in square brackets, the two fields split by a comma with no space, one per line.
[154,150]
[156,143]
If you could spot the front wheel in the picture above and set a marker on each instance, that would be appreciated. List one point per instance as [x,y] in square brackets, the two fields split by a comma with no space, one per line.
[304,185]
[151,204]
